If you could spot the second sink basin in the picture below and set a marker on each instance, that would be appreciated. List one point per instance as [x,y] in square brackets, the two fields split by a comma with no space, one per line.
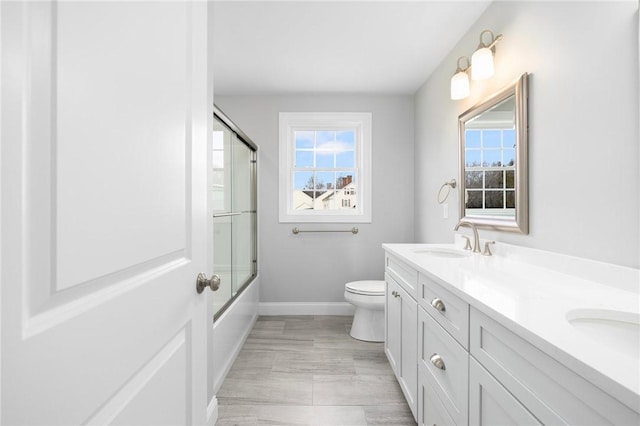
[616,329]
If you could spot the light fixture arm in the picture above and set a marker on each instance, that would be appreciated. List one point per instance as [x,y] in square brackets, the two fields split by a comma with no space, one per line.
[460,68]
[492,43]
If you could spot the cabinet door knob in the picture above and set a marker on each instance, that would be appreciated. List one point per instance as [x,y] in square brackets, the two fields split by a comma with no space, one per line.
[395,293]
[437,361]
[438,304]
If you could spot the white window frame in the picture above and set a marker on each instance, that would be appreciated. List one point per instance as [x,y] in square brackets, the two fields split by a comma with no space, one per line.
[291,122]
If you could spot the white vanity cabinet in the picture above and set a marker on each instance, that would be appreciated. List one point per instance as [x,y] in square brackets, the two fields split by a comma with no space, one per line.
[469,364]
[550,392]
[401,318]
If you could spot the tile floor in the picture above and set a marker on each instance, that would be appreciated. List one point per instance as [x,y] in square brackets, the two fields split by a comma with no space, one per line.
[307,370]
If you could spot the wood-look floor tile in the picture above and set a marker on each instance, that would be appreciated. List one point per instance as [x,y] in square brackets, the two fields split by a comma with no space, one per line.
[285,415]
[338,416]
[279,343]
[307,370]
[315,362]
[385,415]
[271,388]
[237,415]
[356,390]
[371,363]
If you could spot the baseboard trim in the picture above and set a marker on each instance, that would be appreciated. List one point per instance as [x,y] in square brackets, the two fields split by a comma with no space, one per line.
[305,308]
[212,412]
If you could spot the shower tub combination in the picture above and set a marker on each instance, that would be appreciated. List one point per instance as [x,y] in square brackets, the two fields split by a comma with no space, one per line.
[234,306]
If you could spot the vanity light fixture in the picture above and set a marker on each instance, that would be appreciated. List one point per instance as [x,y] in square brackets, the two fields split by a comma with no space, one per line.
[460,81]
[482,59]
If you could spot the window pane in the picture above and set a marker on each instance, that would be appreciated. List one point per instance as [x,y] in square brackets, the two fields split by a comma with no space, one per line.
[493,179]
[345,159]
[472,139]
[325,136]
[494,200]
[304,159]
[325,160]
[474,199]
[511,199]
[303,180]
[509,157]
[472,158]
[344,179]
[473,179]
[346,140]
[491,139]
[510,179]
[491,158]
[323,179]
[509,138]
[303,139]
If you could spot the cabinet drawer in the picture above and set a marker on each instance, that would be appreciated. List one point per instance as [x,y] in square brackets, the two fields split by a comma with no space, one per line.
[404,274]
[448,380]
[432,411]
[551,392]
[451,312]
[492,404]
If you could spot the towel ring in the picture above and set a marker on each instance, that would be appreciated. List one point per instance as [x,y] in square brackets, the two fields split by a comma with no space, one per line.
[442,194]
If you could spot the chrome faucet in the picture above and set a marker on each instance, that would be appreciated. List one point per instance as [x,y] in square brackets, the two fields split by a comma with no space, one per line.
[476,238]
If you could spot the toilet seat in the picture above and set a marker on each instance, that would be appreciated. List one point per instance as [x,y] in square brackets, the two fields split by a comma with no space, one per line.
[366,288]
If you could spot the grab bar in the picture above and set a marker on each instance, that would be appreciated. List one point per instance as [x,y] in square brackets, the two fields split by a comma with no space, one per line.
[353,230]
[227,214]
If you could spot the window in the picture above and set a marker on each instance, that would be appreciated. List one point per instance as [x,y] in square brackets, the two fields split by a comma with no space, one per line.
[490,170]
[325,167]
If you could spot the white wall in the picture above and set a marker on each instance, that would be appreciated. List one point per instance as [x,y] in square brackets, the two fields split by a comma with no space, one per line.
[315,267]
[583,134]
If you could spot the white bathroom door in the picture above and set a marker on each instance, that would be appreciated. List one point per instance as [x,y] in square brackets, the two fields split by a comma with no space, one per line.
[104,127]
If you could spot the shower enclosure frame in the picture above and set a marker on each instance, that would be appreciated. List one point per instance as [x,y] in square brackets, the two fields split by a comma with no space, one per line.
[221,117]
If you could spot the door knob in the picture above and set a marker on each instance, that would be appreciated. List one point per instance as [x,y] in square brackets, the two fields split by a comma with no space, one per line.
[202,282]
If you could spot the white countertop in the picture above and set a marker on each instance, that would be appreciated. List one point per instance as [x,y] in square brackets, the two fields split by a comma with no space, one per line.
[531,291]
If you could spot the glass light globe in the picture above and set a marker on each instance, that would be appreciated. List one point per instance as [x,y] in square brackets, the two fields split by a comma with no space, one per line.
[482,64]
[459,86]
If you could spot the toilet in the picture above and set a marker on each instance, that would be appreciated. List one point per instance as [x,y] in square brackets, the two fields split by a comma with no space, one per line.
[368,298]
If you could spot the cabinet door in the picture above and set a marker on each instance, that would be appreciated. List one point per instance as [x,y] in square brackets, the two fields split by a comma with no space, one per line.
[409,349]
[401,339]
[492,404]
[392,329]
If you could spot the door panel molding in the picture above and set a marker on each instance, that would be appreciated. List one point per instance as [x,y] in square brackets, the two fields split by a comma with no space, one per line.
[175,350]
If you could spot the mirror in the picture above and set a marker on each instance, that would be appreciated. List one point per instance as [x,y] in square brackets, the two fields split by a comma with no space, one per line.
[493,161]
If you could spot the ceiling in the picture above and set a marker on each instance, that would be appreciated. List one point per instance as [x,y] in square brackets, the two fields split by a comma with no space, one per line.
[374,47]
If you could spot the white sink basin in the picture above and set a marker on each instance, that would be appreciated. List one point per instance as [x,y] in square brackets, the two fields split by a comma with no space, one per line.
[444,252]
[617,330]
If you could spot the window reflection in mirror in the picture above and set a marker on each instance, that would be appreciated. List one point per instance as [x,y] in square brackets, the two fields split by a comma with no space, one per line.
[493,145]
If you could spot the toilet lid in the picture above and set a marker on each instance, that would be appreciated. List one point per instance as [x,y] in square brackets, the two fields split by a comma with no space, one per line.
[369,288]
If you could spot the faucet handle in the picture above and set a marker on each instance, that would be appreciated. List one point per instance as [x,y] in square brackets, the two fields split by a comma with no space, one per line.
[467,245]
[487,250]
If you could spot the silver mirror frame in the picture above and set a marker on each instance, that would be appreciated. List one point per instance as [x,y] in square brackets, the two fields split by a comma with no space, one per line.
[519,223]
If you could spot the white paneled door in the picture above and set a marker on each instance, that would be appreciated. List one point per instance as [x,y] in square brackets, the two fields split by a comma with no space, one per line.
[105,120]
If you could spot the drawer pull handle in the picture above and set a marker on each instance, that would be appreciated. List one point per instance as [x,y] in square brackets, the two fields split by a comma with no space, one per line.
[438,304]
[437,361]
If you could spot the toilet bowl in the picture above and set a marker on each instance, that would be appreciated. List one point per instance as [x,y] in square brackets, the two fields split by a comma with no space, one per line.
[368,320]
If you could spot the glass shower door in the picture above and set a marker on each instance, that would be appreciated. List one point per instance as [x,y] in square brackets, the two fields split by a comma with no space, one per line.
[234,212]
